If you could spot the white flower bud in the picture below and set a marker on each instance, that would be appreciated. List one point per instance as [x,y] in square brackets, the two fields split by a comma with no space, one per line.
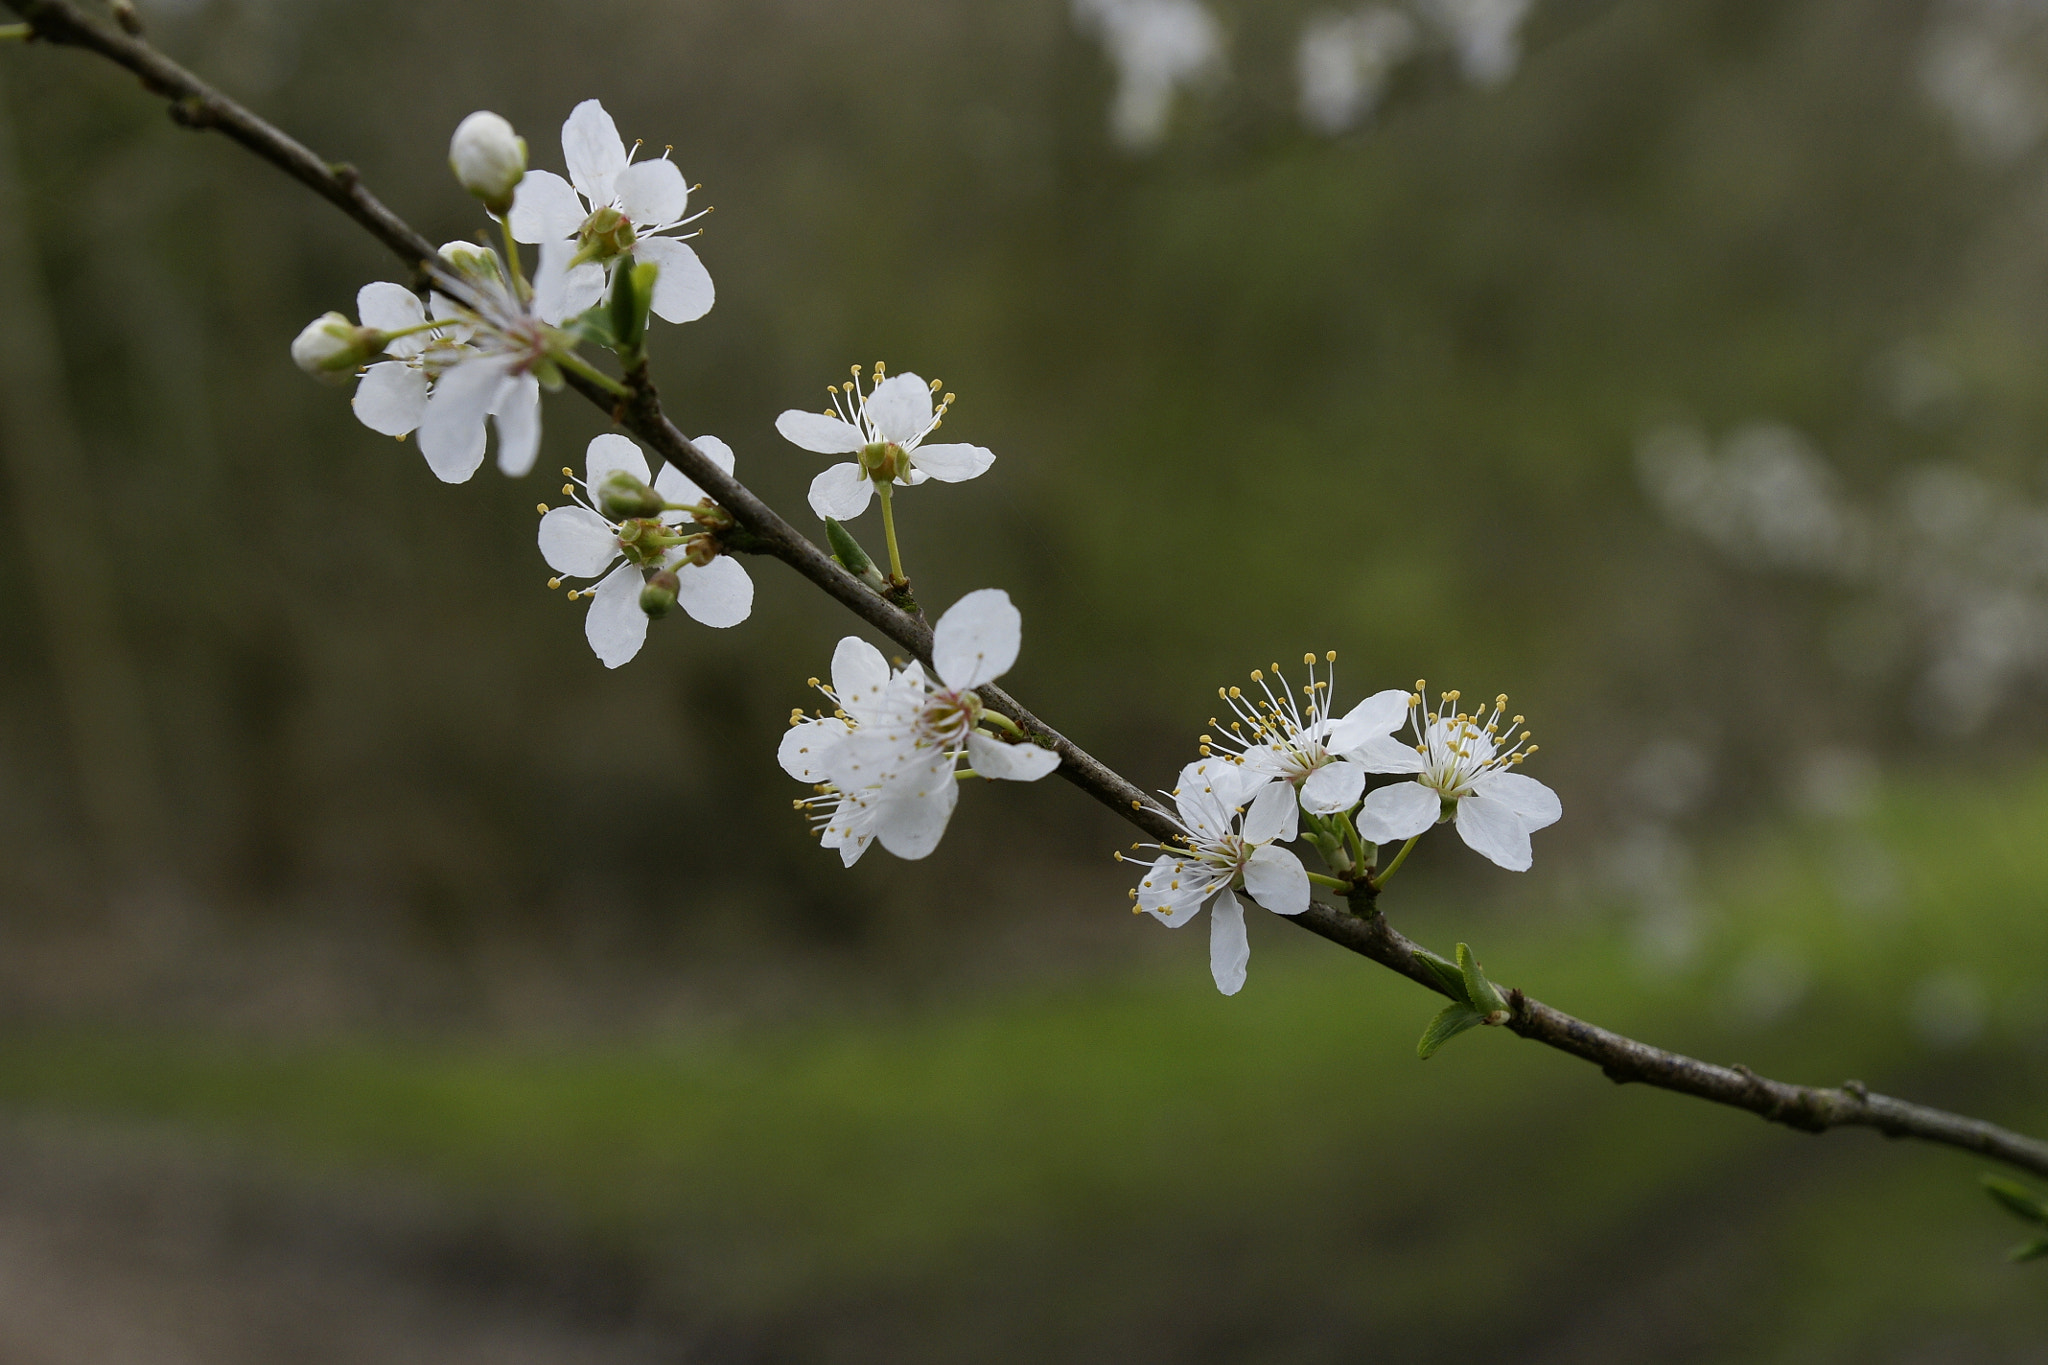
[488,158]
[333,348]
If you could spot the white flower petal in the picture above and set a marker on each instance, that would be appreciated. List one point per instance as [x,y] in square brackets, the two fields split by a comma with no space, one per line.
[804,747]
[452,427]
[1273,814]
[1380,714]
[391,398]
[615,625]
[952,463]
[1171,891]
[683,291]
[1401,811]
[1332,787]
[594,151]
[560,293]
[1230,951]
[1276,879]
[1383,754]
[913,811]
[1493,829]
[651,194]
[1533,803]
[545,208]
[816,432]
[1008,762]
[977,639]
[718,594]
[577,541]
[517,413]
[900,407]
[389,307]
[859,674]
[841,492]
[608,453]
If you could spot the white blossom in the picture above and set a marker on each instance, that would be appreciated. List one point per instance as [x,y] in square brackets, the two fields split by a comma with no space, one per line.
[1486,33]
[612,206]
[885,763]
[884,428]
[1299,742]
[509,339]
[392,394]
[580,541]
[1158,46]
[1343,62]
[1462,768]
[1232,821]
[488,158]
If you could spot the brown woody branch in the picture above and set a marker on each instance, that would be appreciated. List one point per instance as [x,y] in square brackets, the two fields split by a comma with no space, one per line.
[1360,927]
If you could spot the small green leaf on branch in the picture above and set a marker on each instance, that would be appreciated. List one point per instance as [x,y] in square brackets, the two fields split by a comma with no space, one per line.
[1483,995]
[1446,971]
[2016,1199]
[1450,1021]
[848,552]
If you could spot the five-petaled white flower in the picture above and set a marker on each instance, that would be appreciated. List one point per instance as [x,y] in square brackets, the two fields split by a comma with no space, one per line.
[884,429]
[1461,764]
[886,761]
[612,206]
[508,344]
[581,541]
[391,396]
[1232,821]
[1300,742]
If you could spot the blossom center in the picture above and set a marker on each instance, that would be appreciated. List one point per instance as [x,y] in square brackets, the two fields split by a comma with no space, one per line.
[606,235]
[948,715]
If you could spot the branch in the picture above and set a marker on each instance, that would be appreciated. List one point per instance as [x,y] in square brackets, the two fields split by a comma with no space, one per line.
[1361,927]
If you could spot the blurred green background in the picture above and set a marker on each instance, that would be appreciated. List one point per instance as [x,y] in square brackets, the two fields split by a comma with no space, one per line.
[386,980]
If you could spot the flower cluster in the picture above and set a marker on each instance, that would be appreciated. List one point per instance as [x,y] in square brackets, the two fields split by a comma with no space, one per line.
[885,763]
[1282,761]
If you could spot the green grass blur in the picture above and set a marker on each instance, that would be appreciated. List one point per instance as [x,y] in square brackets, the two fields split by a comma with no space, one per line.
[1141,1169]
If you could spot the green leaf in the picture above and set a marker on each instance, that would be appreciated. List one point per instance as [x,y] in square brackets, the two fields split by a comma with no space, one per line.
[1450,1021]
[594,326]
[1483,994]
[1446,971]
[632,296]
[2032,1251]
[848,552]
[2016,1198]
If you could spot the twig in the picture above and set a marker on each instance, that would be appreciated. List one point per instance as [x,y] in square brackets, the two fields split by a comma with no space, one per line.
[1360,928]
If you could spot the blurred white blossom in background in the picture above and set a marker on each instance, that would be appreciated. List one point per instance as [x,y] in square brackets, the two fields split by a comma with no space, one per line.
[1963,568]
[1343,62]
[1158,47]
[1486,34]
[1984,63]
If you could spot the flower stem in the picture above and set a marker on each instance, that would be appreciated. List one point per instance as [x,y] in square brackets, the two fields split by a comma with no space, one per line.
[16,33]
[429,325]
[1334,883]
[1003,723]
[1394,866]
[889,534]
[512,258]
[964,773]
[569,360]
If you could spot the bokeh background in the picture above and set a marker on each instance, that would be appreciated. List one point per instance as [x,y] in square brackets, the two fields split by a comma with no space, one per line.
[382,979]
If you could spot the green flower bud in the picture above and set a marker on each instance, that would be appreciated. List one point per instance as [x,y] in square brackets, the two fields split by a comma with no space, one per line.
[488,158]
[658,598]
[332,348]
[621,497]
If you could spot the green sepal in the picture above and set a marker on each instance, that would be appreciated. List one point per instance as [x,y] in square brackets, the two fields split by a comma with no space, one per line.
[848,552]
[593,326]
[1450,1021]
[2017,1199]
[1445,971]
[1483,994]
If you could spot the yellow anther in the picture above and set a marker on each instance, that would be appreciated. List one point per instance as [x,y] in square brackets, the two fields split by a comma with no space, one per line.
[810,682]
[541,507]
[1235,693]
[568,472]
[1421,683]
[880,369]
[1331,657]
[1222,694]
[554,583]
[1274,667]
[856,371]
[1137,805]
[1308,658]
[573,594]
[936,386]
[568,489]
[948,400]
[1453,695]
[1257,676]
[1118,855]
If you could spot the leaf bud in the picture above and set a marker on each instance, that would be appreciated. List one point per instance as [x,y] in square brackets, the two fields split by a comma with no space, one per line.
[632,296]
[621,497]
[658,598]
[488,158]
[332,348]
